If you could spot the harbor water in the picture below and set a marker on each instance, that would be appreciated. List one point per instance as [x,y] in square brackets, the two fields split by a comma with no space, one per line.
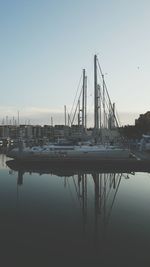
[61,218]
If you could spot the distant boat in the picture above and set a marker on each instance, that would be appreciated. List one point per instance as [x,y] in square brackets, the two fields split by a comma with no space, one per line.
[68,153]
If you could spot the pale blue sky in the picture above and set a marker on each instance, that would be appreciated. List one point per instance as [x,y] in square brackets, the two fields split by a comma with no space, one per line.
[45,44]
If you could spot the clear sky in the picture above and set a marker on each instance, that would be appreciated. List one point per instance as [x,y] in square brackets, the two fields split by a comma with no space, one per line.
[45,44]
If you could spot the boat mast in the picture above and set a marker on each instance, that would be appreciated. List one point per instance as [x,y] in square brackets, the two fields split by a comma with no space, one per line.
[83,100]
[96,106]
[85,103]
[79,110]
[65,114]
[104,112]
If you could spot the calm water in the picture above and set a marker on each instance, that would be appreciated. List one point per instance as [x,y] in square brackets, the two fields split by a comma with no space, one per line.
[76,219]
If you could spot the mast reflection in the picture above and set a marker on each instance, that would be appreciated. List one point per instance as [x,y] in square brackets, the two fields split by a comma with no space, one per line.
[20,177]
[105,188]
[95,191]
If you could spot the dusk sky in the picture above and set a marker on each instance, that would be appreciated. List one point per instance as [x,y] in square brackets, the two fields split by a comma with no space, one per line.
[45,44]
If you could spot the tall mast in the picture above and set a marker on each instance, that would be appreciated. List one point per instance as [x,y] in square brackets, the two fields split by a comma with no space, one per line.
[99,106]
[83,100]
[96,123]
[104,112]
[65,114]
[79,118]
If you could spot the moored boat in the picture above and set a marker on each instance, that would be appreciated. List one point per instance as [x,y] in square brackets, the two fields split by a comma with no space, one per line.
[98,151]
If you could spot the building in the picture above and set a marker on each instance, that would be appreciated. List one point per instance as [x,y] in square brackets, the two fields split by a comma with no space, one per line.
[143,122]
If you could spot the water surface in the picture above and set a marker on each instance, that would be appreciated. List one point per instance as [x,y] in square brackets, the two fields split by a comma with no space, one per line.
[82,219]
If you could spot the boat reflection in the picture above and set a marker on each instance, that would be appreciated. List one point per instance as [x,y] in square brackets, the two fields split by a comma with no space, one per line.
[68,169]
[103,185]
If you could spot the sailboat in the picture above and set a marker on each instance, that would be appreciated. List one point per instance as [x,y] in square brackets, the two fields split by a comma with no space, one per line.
[77,153]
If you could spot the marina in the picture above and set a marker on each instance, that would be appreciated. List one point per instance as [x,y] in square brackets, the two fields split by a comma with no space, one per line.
[74,133]
[101,146]
[75,199]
